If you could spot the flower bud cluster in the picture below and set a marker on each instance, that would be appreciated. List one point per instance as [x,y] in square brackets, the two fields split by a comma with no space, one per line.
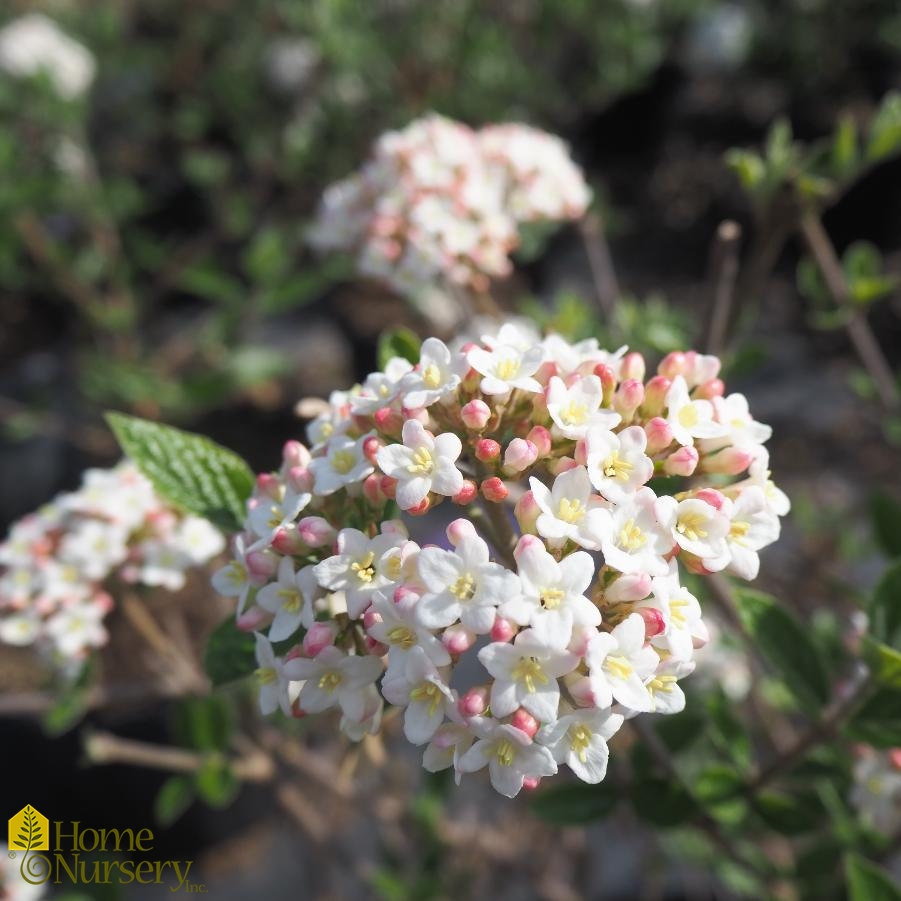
[588,488]
[56,562]
[439,201]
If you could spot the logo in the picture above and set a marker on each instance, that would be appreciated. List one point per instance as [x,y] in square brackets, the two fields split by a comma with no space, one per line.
[73,856]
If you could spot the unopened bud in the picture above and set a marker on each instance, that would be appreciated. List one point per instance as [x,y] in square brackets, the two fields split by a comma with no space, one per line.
[287,541]
[525,722]
[654,623]
[457,639]
[530,783]
[388,421]
[474,702]
[520,455]
[372,490]
[729,461]
[628,398]
[467,494]
[628,587]
[295,454]
[608,381]
[503,629]
[655,395]
[421,508]
[460,529]
[371,447]
[475,414]
[262,564]
[487,449]
[527,512]
[318,637]
[316,531]
[711,389]
[682,462]
[673,364]
[251,619]
[269,485]
[494,490]
[660,435]
[525,542]
[300,479]
[541,438]
[632,367]
[389,487]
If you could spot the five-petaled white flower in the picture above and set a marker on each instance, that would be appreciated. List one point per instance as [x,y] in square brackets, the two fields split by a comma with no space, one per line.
[690,419]
[380,388]
[569,509]
[344,464]
[436,377]
[422,689]
[399,628]
[577,408]
[579,739]
[698,528]
[619,664]
[423,463]
[290,598]
[752,526]
[504,368]
[334,678]
[632,537]
[272,680]
[617,464]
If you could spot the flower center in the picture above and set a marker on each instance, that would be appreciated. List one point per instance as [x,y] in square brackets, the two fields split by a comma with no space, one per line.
[528,671]
[275,517]
[738,531]
[691,525]
[428,693]
[614,467]
[551,598]
[506,369]
[661,683]
[464,588]
[688,416]
[329,681]
[266,675]
[574,413]
[431,376]
[619,666]
[579,739]
[343,461]
[504,752]
[401,637]
[292,600]
[421,463]
[237,572]
[631,537]
[363,567]
[675,611]
[571,510]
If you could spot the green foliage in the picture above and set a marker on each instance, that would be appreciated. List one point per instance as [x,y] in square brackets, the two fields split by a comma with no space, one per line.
[190,471]
[175,796]
[786,645]
[868,882]
[574,803]
[229,654]
[886,515]
[216,782]
[398,342]
[878,721]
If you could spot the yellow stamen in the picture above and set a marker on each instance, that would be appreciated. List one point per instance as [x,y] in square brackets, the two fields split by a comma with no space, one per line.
[505,752]
[688,416]
[574,413]
[292,599]
[343,461]
[675,610]
[363,567]
[551,598]
[506,369]
[431,376]
[619,666]
[401,637]
[464,588]
[661,683]
[631,537]
[738,531]
[579,740]
[691,525]
[430,692]
[422,463]
[529,670]
[329,681]
[266,675]
[571,510]
[614,467]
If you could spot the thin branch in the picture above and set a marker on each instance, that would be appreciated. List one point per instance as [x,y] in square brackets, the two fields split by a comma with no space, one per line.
[498,530]
[859,331]
[724,272]
[606,286]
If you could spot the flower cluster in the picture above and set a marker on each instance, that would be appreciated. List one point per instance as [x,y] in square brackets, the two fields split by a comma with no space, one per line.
[877,788]
[567,612]
[439,201]
[56,563]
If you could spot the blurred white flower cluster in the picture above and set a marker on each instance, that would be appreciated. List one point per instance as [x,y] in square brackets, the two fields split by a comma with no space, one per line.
[55,564]
[440,203]
[877,788]
[570,605]
[33,43]
[13,886]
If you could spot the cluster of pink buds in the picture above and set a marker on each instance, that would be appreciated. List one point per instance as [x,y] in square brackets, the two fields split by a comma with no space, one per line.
[57,564]
[559,585]
[439,202]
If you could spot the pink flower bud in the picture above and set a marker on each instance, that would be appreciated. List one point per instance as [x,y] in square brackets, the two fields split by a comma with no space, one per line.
[520,455]
[581,452]
[503,629]
[474,702]
[729,461]
[371,617]
[628,398]
[561,465]
[457,639]
[389,487]
[546,371]
[371,447]
[654,623]
[287,541]
[608,381]
[262,564]
[388,421]
[421,508]
[475,414]
[300,479]
[405,596]
[525,722]
[319,636]
[711,496]
[494,490]
[525,542]
[628,587]
[372,490]
[655,395]
[681,463]
[297,712]
[487,449]
[541,438]
[660,435]
[460,529]
[711,389]
[467,494]
[527,512]
[269,485]
[530,783]
[251,619]
[673,364]
[295,454]
[316,531]
[633,367]
[581,636]
[376,648]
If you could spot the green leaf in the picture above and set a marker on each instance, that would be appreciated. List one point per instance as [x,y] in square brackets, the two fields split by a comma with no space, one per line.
[574,803]
[216,782]
[868,882]
[789,814]
[845,147]
[175,796]
[886,513]
[188,470]
[884,662]
[885,130]
[878,721]
[206,281]
[786,645]
[230,653]
[204,723]
[663,802]
[749,168]
[718,783]
[885,607]
[398,342]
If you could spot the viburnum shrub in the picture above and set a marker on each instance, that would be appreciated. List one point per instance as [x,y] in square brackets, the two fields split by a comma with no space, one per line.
[586,488]
[57,563]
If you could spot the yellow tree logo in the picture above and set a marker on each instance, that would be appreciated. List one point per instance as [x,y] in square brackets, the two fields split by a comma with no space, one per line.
[29,830]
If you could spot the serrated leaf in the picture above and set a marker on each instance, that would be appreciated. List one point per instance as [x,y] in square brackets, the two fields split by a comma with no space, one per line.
[786,645]
[885,607]
[190,471]
[175,796]
[230,653]
[574,804]
[868,882]
[886,513]
[398,342]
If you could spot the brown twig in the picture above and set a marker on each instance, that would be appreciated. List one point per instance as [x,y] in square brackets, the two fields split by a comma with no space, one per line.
[859,331]
[724,273]
[600,262]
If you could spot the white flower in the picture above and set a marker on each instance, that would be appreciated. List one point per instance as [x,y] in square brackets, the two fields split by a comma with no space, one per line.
[233,579]
[400,629]
[617,464]
[421,464]
[358,569]
[577,408]
[752,527]
[290,598]
[437,376]
[462,585]
[579,739]
[448,744]
[199,539]
[569,510]
[633,538]
[95,547]
[510,755]
[381,388]
[505,367]
[619,664]
[331,423]
[344,464]
[759,474]
[742,429]
[690,419]
[268,515]
[877,791]
[681,614]
[34,43]
[525,675]
[162,565]
[369,722]
[333,678]
[76,629]
[271,679]
[699,528]
[422,689]
[20,629]
[553,595]
[663,687]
